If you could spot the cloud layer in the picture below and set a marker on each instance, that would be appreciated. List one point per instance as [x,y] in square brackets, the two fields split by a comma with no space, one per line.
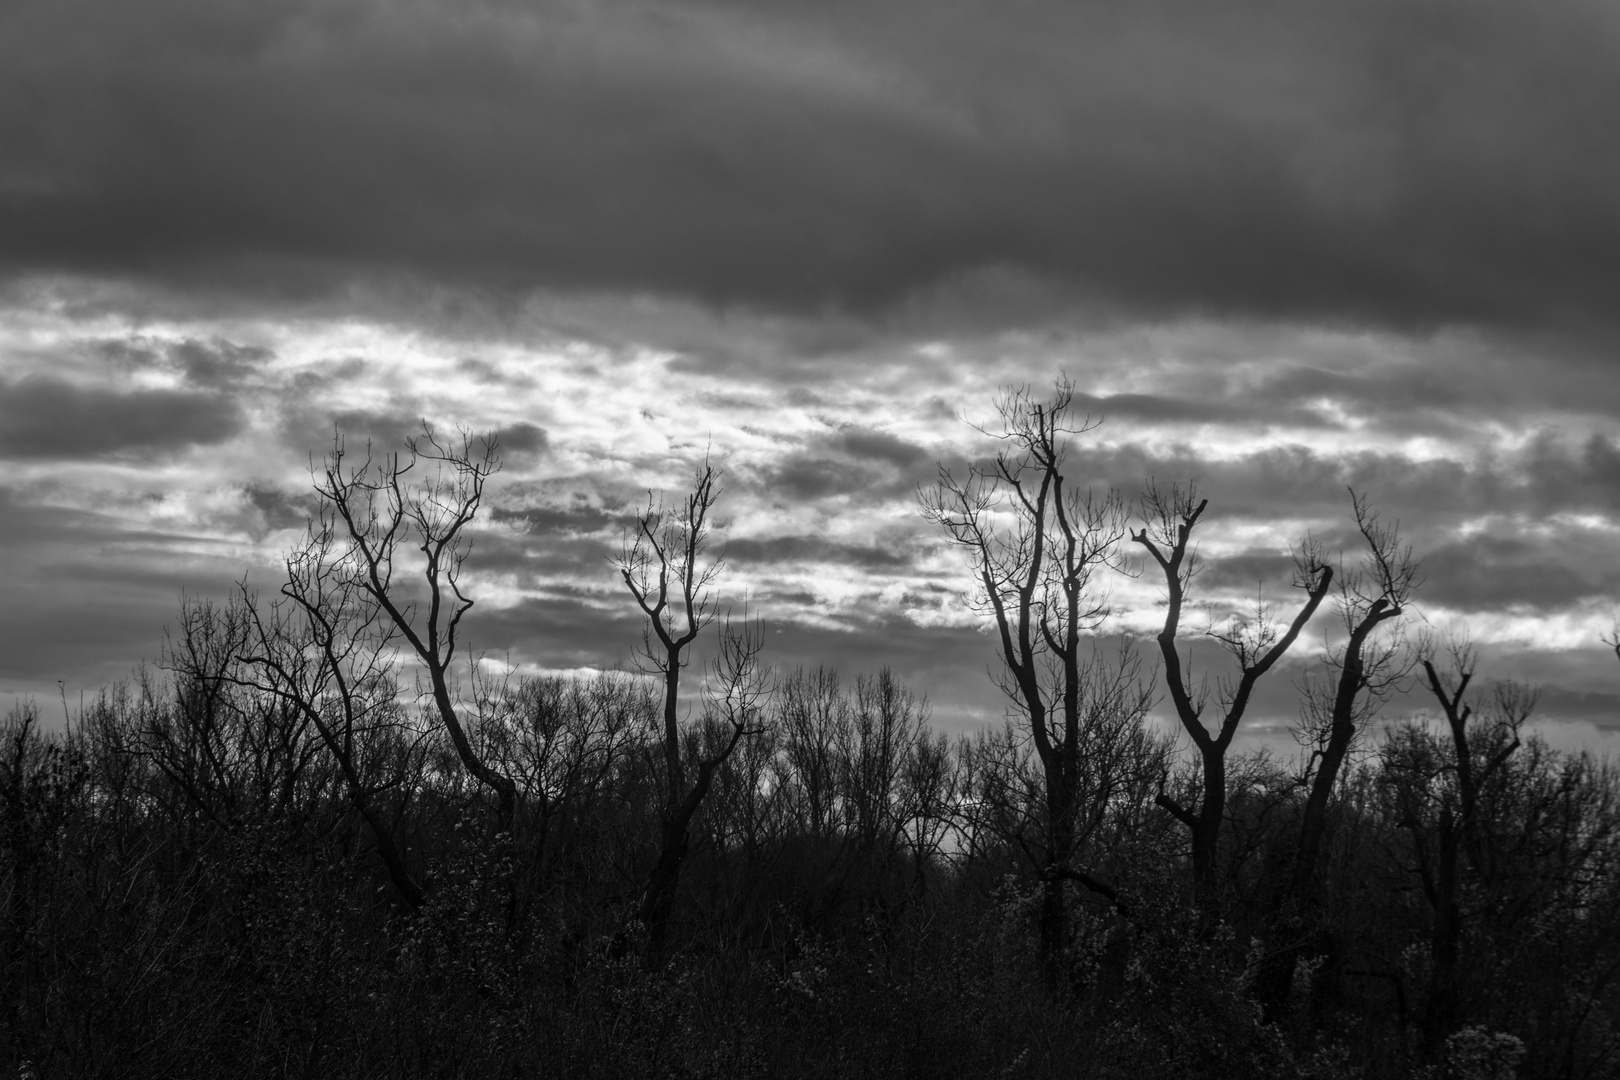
[1283,248]
[147,460]
[1363,161]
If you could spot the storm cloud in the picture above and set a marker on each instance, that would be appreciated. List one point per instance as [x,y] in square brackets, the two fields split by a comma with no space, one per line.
[42,417]
[1369,161]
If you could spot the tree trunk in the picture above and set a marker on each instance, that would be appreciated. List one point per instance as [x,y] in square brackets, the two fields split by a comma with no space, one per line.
[1206,840]
[658,903]
[1054,913]
[1440,1013]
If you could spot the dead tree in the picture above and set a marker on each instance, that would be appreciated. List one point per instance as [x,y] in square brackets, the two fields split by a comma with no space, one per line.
[666,569]
[1368,669]
[375,512]
[1255,644]
[1035,542]
[1362,672]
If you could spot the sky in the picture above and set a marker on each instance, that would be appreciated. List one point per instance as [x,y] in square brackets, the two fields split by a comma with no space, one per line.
[1281,248]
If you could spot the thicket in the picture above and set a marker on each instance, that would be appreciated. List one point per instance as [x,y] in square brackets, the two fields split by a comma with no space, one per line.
[268,857]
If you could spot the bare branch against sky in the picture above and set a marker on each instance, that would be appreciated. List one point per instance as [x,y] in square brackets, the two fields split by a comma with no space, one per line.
[1280,248]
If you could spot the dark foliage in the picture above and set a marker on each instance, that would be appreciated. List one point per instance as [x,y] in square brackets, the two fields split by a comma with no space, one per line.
[181,901]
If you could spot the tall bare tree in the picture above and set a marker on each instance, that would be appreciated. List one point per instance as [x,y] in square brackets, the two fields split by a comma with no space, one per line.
[370,516]
[667,570]
[1035,542]
[1362,672]
[1256,644]
[1370,596]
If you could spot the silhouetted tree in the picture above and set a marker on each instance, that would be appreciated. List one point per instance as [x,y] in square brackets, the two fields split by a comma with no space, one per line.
[370,516]
[1362,672]
[1256,644]
[1035,542]
[666,569]
[1367,670]
[1445,799]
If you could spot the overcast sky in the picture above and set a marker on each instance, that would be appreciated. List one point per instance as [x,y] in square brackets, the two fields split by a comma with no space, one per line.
[1281,247]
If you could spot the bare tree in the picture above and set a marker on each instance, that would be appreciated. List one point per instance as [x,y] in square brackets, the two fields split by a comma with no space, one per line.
[1439,786]
[1368,670]
[1035,543]
[1478,757]
[1256,644]
[665,567]
[370,514]
[1361,673]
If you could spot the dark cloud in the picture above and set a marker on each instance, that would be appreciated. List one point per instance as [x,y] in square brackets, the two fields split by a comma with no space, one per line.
[347,369]
[1160,409]
[576,516]
[1242,573]
[806,476]
[557,632]
[479,370]
[543,556]
[127,354]
[277,509]
[525,441]
[1507,568]
[42,417]
[818,550]
[1547,476]
[483,371]
[214,364]
[1529,531]
[218,365]
[1587,478]
[881,446]
[1431,388]
[850,461]
[387,430]
[313,431]
[1371,160]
